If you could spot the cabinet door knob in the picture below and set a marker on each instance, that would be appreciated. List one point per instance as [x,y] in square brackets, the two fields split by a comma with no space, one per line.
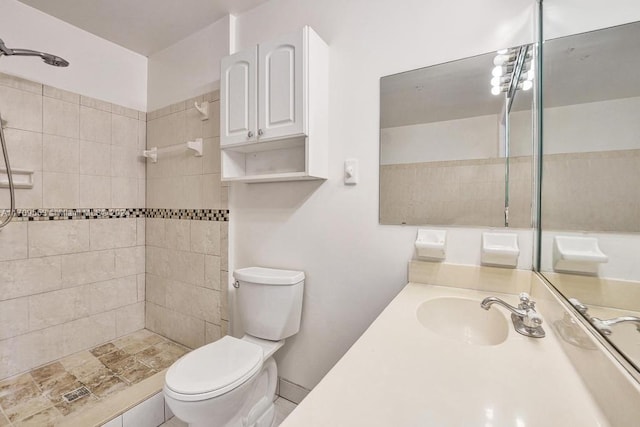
[250,134]
[260,132]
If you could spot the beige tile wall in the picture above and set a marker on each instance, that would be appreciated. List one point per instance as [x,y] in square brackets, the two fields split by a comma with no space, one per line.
[85,153]
[186,260]
[68,285]
[595,191]
[460,192]
[71,292]
[180,180]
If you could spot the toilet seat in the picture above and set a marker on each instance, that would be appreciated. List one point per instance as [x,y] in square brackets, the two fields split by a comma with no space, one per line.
[213,369]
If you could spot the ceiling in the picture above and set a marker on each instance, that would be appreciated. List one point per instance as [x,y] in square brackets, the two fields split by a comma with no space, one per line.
[143,26]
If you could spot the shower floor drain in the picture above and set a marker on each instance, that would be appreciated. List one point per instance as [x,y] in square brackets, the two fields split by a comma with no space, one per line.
[76,394]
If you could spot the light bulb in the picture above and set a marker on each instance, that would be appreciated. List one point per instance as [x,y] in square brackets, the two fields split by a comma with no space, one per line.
[497,71]
[495,90]
[496,80]
[527,84]
[502,51]
[530,75]
[501,59]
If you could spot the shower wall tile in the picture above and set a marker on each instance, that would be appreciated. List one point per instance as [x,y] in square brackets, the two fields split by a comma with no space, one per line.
[212,191]
[87,332]
[125,132]
[94,158]
[21,109]
[212,127]
[95,125]
[94,191]
[60,154]
[14,317]
[95,103]
[130,261]
[212,271]
[125,192]
[60,190]
[87,267]
[68,285]
[205,237]
[224,296]
[199,302]
[112,233]
[156,289]
[183,257]
[63,95]
[211,155]
[60,118]
[29,277]
[55,308]
[13,241]
[23,352]
[124,162]
[178,234]
[58,237]
[124,111]
[184,329]
[25,148]
[130,318]
[20,83]
[141,225]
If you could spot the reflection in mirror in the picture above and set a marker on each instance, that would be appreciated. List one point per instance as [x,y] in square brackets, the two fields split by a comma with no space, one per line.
[453,153]
[590,242]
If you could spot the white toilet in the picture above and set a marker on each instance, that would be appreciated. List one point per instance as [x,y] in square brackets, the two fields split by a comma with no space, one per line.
[232,382]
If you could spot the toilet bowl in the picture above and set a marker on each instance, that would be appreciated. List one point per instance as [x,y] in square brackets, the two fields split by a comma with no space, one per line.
[232,382]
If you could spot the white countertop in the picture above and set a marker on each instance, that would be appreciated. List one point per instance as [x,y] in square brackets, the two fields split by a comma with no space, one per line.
[401,374]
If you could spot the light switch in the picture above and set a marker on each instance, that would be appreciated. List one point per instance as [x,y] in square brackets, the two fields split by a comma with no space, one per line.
[350,171]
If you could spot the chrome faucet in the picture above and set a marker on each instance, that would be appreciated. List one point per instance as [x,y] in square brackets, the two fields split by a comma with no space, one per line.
[604,326]
[525,318]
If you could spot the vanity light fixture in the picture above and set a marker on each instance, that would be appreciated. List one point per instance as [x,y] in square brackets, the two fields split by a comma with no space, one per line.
[513,70]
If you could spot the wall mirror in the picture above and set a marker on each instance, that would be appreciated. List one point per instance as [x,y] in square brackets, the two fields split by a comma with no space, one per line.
[590,221]
[451,151]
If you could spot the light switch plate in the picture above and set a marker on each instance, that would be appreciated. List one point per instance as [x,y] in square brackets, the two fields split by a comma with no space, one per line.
[350,171]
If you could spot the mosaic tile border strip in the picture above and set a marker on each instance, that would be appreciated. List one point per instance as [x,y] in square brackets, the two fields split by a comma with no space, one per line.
[110,213]
[191,214]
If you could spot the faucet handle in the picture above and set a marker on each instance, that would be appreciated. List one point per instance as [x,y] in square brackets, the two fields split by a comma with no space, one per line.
[525,302]
[534,319]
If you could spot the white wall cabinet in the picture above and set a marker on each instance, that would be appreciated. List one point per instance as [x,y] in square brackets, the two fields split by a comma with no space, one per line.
[274,108]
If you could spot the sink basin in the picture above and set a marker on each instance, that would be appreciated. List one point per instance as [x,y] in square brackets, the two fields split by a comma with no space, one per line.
[462,319]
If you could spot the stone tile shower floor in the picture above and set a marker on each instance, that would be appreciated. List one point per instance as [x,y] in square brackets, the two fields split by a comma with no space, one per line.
[37,398]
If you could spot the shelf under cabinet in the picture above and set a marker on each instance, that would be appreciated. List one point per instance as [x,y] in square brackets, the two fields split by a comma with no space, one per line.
[271,161]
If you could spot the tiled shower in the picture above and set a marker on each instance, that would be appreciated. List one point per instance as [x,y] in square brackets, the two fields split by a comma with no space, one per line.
[106,243]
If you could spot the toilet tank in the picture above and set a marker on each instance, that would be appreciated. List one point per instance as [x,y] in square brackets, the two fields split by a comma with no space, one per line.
[269,301]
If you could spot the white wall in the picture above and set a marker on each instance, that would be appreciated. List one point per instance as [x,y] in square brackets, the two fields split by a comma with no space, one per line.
[604,126]
[99,68]
[189,67]
[462,139]
[354,265]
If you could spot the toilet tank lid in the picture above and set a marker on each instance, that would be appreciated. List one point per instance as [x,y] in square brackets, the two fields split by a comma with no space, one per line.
[268,276]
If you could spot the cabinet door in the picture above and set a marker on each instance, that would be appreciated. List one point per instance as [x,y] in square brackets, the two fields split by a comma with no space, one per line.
[238,98]
[282,97]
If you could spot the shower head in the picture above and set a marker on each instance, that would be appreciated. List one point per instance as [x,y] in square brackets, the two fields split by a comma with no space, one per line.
[56,61]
